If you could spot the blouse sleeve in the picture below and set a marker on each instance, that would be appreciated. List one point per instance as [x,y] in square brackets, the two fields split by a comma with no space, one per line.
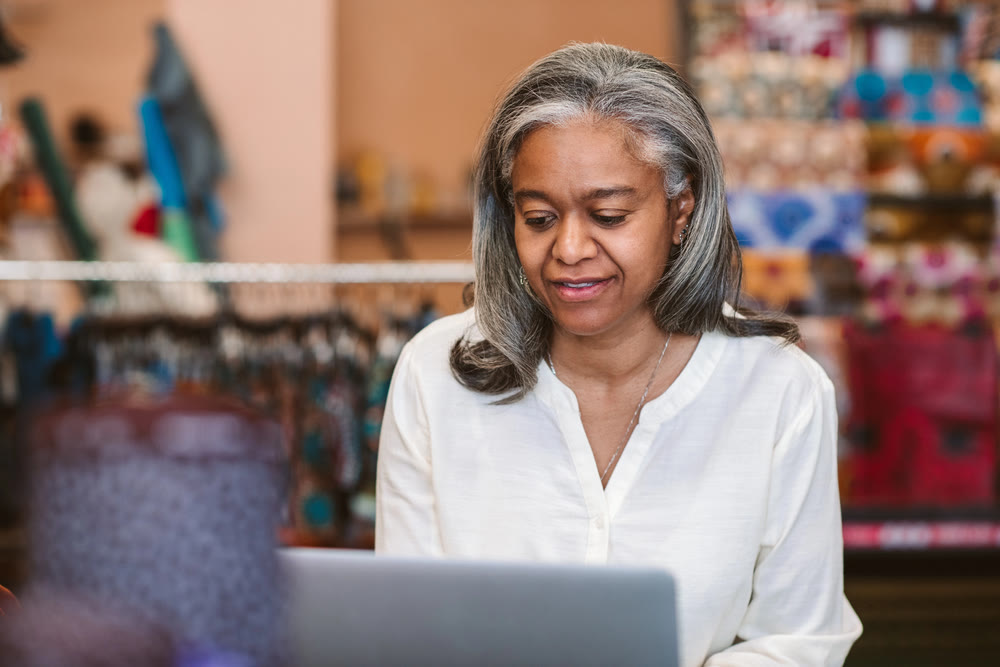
[798,614]
[405,516]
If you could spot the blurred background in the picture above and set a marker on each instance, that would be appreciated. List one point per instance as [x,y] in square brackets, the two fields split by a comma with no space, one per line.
[334,139]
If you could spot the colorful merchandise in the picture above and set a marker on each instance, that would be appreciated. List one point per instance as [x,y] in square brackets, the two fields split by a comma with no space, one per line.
[923,423]
[768,85]
[193,138]
[932,160]
[948,285]
[176,229]
[789,28]
[777,281]
[768,154]
[919,96]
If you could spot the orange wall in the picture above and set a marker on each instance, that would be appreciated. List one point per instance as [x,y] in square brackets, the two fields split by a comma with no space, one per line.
[266,72]
[417,80]
[81,54]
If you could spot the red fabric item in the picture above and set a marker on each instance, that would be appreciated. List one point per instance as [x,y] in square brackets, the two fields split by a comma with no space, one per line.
[147,221]
[923,416]
[8,603]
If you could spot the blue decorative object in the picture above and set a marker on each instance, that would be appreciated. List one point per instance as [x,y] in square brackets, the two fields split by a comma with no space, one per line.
[789,215]
[870,85]
[816,219]
[918,82]
[919,96]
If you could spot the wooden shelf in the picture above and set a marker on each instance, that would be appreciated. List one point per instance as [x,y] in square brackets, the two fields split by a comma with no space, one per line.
[933,201]
[352,223]
[944,21]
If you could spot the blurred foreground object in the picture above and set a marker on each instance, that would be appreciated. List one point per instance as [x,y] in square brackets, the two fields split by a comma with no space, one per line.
[8,603]
[166,510]
[52,630]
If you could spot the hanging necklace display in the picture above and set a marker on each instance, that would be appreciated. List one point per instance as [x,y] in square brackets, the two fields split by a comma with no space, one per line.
[635,415]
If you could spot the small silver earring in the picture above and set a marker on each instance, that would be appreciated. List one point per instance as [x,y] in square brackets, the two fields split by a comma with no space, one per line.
[522,279]
[683,236]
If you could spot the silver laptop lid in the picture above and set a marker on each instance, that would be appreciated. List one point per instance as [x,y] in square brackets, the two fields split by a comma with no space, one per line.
[354,608]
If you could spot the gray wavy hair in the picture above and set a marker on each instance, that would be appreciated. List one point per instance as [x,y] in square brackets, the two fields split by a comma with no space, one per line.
[667,128]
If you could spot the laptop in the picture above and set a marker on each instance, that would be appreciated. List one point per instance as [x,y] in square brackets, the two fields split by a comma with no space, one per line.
[355,608]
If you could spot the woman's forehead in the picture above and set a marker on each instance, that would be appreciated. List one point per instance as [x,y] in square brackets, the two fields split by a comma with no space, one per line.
[601,151]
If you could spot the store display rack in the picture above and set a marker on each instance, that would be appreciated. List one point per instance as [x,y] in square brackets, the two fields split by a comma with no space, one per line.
[228,272]
[860,533]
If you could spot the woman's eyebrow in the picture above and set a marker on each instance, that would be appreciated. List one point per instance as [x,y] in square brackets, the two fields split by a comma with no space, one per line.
[596,193]
[607,193]
[522,195]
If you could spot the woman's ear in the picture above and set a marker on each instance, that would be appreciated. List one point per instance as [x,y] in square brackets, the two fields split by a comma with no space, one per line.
[681,207]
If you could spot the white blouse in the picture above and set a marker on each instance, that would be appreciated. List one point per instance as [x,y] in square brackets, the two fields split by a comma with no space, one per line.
[729,481]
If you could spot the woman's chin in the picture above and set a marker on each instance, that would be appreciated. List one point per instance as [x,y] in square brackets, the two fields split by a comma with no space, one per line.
[584,326]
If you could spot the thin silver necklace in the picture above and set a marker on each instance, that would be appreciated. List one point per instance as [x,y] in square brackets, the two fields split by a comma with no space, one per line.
[638,407]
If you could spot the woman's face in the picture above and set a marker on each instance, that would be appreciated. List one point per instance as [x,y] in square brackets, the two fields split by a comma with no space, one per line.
[593,227]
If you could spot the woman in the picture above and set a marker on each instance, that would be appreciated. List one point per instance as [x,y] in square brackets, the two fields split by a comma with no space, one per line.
[603,402]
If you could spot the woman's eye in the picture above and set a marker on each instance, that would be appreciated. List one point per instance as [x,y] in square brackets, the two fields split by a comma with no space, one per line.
[537,220]
[609,219]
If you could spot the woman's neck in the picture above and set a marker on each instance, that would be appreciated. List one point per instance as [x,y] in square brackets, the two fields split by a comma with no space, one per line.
[609,359]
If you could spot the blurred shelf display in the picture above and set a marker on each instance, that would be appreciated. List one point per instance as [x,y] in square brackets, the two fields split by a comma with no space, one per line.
[861,143]
[376,194]
[909,535]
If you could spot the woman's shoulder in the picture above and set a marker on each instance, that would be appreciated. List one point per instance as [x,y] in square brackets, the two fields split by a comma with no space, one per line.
[443,332]
[768,381]
[776,353]
[773,360]
[430,349]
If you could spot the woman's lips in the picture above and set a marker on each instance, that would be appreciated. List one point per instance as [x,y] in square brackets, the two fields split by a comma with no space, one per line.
[580,289]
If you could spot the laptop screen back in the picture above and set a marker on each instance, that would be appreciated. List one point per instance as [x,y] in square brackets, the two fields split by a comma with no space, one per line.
[354,608]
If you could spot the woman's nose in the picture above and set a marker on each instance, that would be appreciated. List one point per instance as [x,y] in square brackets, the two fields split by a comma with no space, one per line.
[574,241]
